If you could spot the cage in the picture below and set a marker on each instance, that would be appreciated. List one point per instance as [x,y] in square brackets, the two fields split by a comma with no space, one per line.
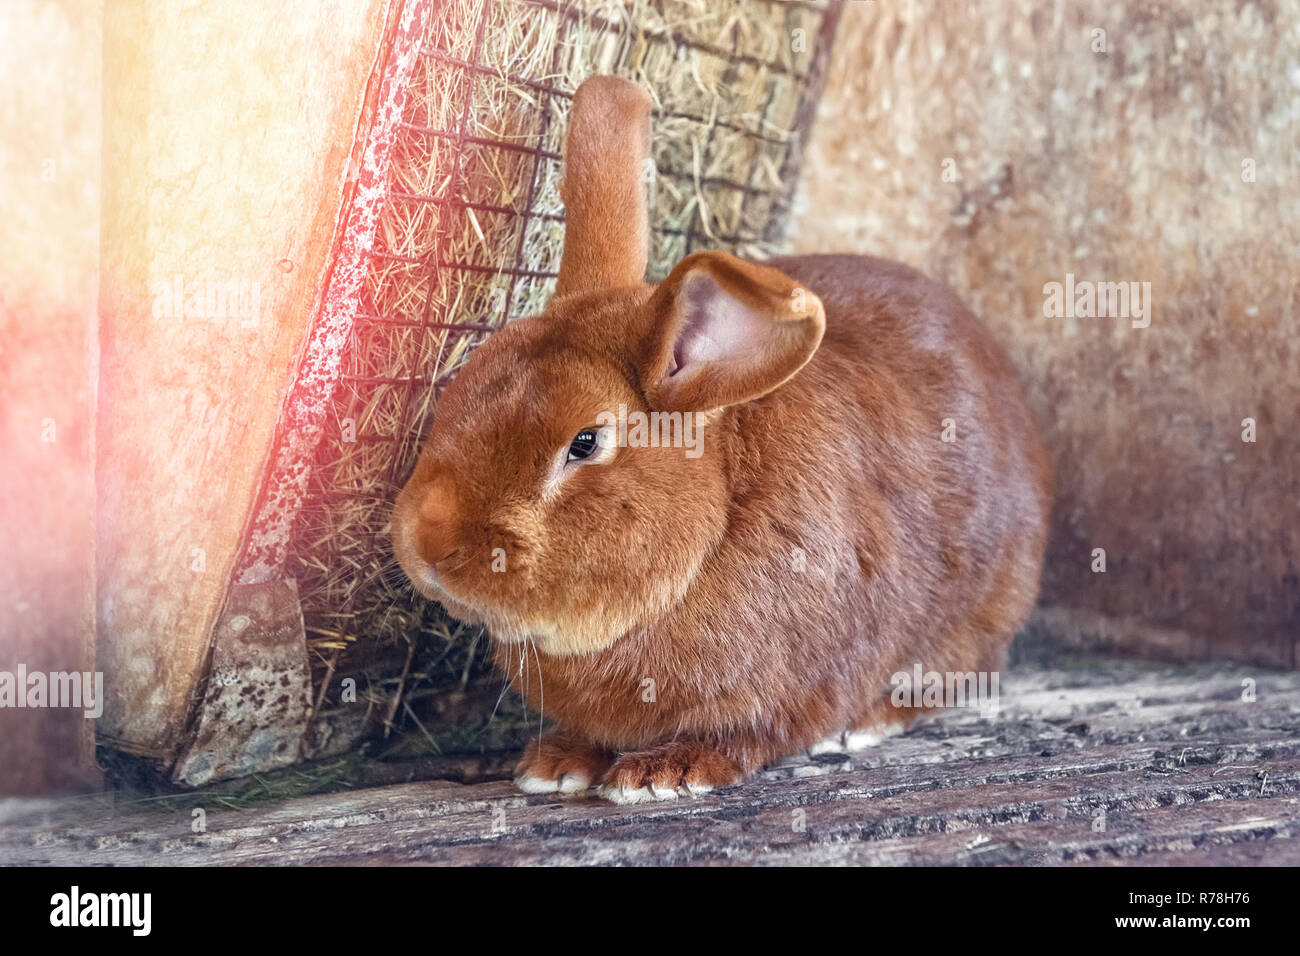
[455,227]
[207,530]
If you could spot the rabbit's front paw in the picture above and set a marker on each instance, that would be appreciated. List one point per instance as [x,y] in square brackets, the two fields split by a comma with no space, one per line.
[665,772]
[558,763]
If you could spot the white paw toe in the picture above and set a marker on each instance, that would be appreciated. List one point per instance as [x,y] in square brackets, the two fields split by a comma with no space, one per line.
[833,744]
[531,784]
[573,782]
[853,740]
[625,795]
[872,736]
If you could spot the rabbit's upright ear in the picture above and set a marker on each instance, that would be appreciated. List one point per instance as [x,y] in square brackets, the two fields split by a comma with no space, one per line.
[726,331]
[606,229]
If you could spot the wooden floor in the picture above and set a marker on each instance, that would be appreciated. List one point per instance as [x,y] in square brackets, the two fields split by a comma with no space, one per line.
[1114,764]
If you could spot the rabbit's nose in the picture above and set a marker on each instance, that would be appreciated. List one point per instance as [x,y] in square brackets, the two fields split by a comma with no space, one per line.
[436,537]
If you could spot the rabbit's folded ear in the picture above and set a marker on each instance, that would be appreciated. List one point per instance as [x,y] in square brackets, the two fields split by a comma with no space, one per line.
[726,331]
[606,231]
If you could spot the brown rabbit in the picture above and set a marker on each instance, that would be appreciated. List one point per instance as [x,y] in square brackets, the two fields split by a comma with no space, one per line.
[868,494]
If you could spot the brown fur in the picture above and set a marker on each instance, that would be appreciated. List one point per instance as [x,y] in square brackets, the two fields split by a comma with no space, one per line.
[606,226]
[653,605]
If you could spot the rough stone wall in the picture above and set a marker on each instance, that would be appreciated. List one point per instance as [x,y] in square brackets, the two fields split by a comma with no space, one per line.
[49,261]
[228,129]
[1000,145]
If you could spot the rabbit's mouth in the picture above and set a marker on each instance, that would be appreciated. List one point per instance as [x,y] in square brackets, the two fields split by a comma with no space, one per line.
[514,608]
[431,581]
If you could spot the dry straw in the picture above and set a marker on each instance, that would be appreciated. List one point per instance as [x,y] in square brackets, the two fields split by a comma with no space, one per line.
[471,237]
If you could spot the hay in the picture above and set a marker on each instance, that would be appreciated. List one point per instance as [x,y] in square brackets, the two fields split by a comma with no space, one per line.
[471,237]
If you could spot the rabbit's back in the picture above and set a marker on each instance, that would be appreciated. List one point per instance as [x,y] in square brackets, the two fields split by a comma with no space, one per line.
[928,433]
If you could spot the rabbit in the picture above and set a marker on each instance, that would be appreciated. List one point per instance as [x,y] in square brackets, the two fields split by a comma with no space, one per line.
[869,494]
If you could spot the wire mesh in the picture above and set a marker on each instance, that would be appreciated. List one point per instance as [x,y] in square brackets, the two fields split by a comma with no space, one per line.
[470,238]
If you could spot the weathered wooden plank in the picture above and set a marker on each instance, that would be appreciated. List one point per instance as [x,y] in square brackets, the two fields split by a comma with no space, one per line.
[1162,835]
[440,822]
[1183,769]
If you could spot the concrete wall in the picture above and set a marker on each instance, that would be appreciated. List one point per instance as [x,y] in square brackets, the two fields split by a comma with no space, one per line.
[49,261]
[227,134]
[1001,144]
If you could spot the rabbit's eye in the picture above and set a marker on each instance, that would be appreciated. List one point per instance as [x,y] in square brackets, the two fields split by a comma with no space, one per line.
[583,445]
